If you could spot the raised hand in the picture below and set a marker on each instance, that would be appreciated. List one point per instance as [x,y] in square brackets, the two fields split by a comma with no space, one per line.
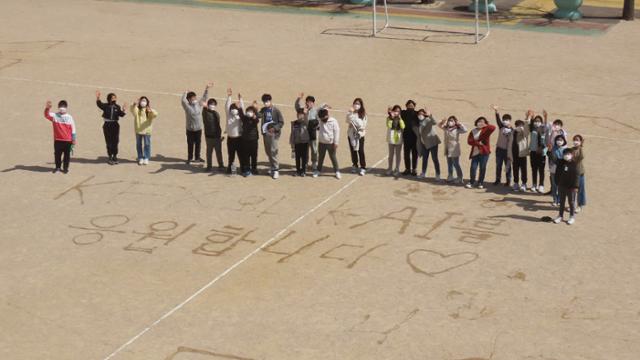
[98,94]
[494,107]
[229,92]
[48,104]
[209,85]
[239,96]
[301,95]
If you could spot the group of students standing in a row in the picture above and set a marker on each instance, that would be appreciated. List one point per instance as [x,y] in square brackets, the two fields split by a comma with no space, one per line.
[314,133]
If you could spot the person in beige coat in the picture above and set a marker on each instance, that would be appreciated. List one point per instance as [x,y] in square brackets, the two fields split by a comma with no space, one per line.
[518,151]
[452,129]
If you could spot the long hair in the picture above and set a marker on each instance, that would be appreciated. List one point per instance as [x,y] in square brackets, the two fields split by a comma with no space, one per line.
[361,112]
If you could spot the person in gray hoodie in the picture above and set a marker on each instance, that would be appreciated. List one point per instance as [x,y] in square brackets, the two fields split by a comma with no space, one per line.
[272,123]
[428,141]
[193,114]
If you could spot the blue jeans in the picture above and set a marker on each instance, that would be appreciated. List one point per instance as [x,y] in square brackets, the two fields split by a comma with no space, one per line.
[582,195]
[147,146]
[454,162]
[482,161]
[501,159]
[434,157]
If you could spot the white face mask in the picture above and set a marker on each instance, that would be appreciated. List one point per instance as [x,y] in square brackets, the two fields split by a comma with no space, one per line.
[420,117]
[576,143]
[356,107]
[194,102]
[143,103]
[520,128]
[62,110]
[536,124]
[560,143]
[212,107]
[567,157]
[506,123]
[267,103]
[451,124]
[234,112]
[556,127]
[250,114]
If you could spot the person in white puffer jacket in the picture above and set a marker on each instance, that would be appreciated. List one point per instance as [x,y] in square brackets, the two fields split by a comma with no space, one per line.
[357,122]
[328,139]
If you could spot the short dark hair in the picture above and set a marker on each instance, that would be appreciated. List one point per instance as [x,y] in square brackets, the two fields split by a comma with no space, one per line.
[506,117]
[398,107]
[578,136]
[322,113]
[251,108]
[310,98]
[266,97]
[190,94]
[110,96]
[62,103]
[567,151]
[558,122]
[452,117]
[212,101]
[481,118]
[519,123]
[410,102]
[537,117]
[422,111]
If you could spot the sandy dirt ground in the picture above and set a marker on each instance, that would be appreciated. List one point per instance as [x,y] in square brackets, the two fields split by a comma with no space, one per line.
[169,262]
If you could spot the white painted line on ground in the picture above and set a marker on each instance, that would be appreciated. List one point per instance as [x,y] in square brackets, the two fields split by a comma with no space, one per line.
[139,91]
[237,264]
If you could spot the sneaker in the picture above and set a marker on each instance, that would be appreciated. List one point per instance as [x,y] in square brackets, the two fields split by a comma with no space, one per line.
[396,173]
[534,188]
[354,169]
[303,174]
[516,187]
[115,160]
[389,172]
[438,179]
[229,170]
[557,220]
[496,183]
[450,178]
[414,173]
[460,181]
[338,176]
[110,161]
[146,161]
[541,189]
[55,170]
[555,204]
[255,172]
[188,162]
[140,161]
[246,173]
[469,186]
[208,169]
[578,210]
[199,160]
[276,174]
[315,173]
[480,186]
[65,171]
[507,184]
[362,172]
[422,175]
[406,172]
[571,221]
[523,188]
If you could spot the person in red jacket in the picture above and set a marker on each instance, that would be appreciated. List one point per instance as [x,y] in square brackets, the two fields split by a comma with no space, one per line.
[480,150]
[64,134]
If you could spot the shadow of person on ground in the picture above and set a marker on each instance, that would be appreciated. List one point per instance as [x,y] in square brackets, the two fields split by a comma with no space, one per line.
[32,168]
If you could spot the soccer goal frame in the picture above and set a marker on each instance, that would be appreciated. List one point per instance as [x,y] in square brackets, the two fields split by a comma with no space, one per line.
[478,35]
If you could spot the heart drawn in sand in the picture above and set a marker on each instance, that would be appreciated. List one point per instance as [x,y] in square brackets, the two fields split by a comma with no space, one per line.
[432,263]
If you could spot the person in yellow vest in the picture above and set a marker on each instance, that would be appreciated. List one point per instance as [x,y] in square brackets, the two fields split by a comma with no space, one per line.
[143,117]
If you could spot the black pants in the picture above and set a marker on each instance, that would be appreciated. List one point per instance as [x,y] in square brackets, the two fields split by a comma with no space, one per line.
[537,168]
[564,195]
[358,155]
[234,147]
[410,152]
[249,155]
[194,139]
[62,154]
[302,156]
[520,169]
[111,130]
[214,144]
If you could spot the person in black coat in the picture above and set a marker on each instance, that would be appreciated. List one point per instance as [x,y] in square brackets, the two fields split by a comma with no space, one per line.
[111,113]
[410,138]
[250,136]
[212,133]
[568,181]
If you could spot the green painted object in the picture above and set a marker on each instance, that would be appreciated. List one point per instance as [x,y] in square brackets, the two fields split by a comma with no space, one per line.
[491,6]
[568,9]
